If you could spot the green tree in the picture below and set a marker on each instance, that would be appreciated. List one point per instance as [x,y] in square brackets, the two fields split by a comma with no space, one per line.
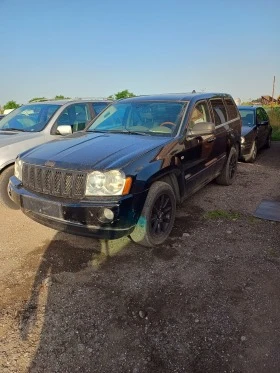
[122,94]
[11,105]
[38,99]
[61,97]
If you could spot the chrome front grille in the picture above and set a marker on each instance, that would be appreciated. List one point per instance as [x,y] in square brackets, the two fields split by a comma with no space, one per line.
[55,182]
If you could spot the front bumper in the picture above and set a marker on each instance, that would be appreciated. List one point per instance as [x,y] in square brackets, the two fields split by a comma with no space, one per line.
[245,150]
[84,217]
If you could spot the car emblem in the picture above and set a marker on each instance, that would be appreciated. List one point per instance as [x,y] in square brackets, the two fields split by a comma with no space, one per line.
[50,163]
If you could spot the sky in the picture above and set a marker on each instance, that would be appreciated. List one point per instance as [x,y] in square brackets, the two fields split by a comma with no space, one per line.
[91,48]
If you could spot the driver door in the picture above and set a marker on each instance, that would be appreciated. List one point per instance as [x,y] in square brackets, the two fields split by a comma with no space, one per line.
[197,156]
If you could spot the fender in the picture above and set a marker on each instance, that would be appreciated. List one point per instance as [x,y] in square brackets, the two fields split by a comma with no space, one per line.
[7,164]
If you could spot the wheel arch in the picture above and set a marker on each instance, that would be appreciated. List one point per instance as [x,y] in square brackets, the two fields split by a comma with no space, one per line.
[7,165]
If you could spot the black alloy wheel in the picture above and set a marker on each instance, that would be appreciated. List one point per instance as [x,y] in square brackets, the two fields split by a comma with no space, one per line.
[229,170]
[157,217]
[161,215]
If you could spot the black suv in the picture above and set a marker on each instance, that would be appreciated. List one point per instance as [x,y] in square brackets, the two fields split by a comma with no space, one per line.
[127,171]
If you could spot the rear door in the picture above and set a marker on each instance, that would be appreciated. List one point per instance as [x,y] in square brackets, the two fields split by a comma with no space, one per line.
[263,127]
[220,118]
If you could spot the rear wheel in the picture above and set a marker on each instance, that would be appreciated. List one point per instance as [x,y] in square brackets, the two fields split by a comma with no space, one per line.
[5,199]
[228,173]
[157,217]
[268,141]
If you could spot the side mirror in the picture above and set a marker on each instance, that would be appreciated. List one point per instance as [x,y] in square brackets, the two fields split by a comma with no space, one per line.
[202,129]
[263,123]
[64,130]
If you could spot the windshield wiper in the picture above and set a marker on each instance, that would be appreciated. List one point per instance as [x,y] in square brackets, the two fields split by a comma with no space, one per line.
[123,131]
[12,129]
[139,133]
[129,132]
[99,131]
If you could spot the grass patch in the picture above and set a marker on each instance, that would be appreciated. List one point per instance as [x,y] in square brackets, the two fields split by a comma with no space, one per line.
[276,133]
[221,214]
[273,253]
[253,219]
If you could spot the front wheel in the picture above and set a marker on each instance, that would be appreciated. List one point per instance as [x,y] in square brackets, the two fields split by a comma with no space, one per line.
[229,170]
[253,153]
[157,217]
[5,199]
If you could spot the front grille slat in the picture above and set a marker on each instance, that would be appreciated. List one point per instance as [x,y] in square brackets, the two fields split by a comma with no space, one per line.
[79,182]
[56,182]
[38,179]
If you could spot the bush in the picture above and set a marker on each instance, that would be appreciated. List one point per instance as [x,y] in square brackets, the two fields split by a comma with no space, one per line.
[274,117]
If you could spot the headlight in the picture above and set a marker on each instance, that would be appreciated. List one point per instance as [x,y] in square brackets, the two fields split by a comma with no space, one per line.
[110,183]
[18,169]
[242,140]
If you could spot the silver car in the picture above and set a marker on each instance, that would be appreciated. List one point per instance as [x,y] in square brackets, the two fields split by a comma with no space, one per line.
[36,123]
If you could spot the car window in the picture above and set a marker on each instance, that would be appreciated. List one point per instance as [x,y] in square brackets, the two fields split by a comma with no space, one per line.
[29,118]
[247,116]
[199,114]
[99,106]
[219,111]
[231,109]
[76,116]
[260,115]
[265,116]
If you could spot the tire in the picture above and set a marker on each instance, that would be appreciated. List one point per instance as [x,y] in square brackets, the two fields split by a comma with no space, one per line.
[5,199]
[267,144]
[253,153]
[157,217]
[229,170]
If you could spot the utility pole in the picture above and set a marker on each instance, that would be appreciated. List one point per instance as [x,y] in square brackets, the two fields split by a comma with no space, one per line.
[273,85]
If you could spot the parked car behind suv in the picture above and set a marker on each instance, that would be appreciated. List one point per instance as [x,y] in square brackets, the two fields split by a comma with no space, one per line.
[37,123]
[256,131]
[125,174]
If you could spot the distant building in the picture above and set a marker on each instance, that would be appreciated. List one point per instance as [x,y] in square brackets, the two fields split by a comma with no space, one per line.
[266,100]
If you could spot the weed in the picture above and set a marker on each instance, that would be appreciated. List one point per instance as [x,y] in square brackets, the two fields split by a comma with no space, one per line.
[222,214]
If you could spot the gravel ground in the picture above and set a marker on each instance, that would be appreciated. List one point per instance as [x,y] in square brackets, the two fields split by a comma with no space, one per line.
[206,301]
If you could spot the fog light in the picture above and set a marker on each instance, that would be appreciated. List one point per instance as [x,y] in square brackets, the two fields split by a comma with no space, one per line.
[106,215]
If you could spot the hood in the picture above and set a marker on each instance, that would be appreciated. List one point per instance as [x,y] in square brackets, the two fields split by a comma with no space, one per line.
[245,130]
[88,151]
[14,137]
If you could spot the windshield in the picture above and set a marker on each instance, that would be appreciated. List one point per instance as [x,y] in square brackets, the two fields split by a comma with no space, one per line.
[247,116]
[28,118]
[155,118]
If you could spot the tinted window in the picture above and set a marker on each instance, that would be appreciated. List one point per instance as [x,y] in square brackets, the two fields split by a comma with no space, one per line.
[219,111]
[76,116]
[260,115]
[99,106]
[199,114]
[265,116]
[231,109]
[247,116]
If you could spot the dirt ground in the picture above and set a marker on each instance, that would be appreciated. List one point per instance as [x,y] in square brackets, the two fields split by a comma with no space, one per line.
[206,301]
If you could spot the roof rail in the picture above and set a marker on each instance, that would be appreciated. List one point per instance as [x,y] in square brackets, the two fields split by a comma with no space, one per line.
[93,98]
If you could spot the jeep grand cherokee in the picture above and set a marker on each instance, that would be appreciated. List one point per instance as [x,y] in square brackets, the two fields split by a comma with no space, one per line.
[125,174]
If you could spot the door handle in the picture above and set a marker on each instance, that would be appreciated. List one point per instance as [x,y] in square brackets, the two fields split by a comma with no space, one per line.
[211,139]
